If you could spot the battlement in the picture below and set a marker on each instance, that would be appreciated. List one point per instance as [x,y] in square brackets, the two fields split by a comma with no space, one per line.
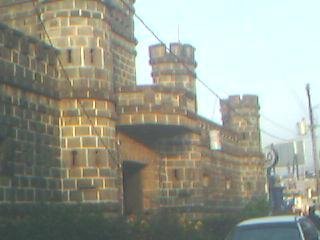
[242,101]
[177,52]
[27,62]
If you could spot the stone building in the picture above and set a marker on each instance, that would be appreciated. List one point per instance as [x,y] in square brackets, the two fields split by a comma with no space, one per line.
[76,128]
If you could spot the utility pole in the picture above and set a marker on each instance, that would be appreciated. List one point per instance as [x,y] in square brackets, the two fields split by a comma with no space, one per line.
[313,141]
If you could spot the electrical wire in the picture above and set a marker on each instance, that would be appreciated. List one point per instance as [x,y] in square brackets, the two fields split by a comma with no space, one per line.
[38,13]
[277,124]
[168,49]
[188,69]
[273,136]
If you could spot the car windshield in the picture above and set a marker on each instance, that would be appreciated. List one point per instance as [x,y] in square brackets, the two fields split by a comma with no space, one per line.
[266,232]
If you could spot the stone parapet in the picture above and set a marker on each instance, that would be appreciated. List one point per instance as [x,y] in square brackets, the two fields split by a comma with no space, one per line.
[27,63]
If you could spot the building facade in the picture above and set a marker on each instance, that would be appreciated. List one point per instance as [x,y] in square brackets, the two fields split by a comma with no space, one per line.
[76,128]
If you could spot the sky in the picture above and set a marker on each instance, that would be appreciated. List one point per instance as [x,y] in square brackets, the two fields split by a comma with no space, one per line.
[269,48]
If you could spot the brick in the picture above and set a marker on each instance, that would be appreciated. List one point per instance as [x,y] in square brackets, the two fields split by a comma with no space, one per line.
[78,21]
[90,195]
[105,195]
[90,172]
[30,195]
[76,196]
[75,173]
[84,184]
[98,183]
[67,132]
[82,131]
[69,184]
[73,143]
[89,142]
[9,195]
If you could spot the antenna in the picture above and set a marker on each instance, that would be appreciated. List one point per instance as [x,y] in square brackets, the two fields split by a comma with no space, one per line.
[178,33]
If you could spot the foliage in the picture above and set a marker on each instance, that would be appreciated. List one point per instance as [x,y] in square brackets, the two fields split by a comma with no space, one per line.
[258,207]
[76,222]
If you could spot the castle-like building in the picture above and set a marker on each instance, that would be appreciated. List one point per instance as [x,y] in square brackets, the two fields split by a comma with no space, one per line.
[76,128]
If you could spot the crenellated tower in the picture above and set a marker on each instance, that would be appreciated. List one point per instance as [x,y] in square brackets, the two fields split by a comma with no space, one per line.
[175,69]
[84,33]
[242,115]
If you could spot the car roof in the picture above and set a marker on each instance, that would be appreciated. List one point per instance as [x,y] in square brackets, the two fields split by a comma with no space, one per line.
[270,220]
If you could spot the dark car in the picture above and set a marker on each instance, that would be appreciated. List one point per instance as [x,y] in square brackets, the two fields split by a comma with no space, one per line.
[275,228]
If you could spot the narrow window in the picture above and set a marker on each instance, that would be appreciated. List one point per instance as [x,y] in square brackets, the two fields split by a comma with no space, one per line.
[2,157]
[5,169]
[176,174]
[74,158]
[92,55]
[69,52]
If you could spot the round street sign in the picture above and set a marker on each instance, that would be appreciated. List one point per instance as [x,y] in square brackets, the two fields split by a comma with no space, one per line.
[271,158]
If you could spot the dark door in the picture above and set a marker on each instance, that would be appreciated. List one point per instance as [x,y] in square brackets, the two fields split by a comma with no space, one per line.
[132,188]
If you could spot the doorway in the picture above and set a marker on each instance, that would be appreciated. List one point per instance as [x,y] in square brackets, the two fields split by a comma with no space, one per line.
[132,188]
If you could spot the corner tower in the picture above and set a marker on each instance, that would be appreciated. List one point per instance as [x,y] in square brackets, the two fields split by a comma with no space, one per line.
[175,69]
[242,115]
[82,33]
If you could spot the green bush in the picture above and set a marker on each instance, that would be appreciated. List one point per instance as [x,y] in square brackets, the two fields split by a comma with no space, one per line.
[78,222]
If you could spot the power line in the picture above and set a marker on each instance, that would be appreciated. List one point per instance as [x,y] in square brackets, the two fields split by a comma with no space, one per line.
[277,124]
[168,49]
[273,136]
[38,13]
[188,69]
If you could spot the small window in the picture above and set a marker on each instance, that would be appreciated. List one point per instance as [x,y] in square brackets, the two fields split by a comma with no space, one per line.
[176,175]
[92,55]
[69,53]
[74,158]
[5,156]
[2,157]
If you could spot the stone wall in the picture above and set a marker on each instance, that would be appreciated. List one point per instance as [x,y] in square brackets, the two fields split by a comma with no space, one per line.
[175,68]
[29,116]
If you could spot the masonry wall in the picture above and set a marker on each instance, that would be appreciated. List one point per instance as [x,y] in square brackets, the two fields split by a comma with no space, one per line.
[80,30]
[67,132]
[29,116]
[123,42]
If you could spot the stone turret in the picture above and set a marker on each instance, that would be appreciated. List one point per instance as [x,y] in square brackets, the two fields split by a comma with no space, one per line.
[79,30]
[242,115]
[175,69]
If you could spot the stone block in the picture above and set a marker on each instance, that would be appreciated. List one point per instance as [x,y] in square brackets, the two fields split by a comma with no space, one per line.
[69,184]
[54,184]
[90,172]
[85,184]
[87,72]
[105,195]
[73,142]
[20,195]
[30,195]
[58,173]
[9,195]
[82,130]
[90,195]
[106,172]
[67,132]
[76,196]
[78,21]
[75,173]
[89,142]
[98,183]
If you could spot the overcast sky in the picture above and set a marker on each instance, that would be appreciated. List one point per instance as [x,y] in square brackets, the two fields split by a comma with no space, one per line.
[270,48]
